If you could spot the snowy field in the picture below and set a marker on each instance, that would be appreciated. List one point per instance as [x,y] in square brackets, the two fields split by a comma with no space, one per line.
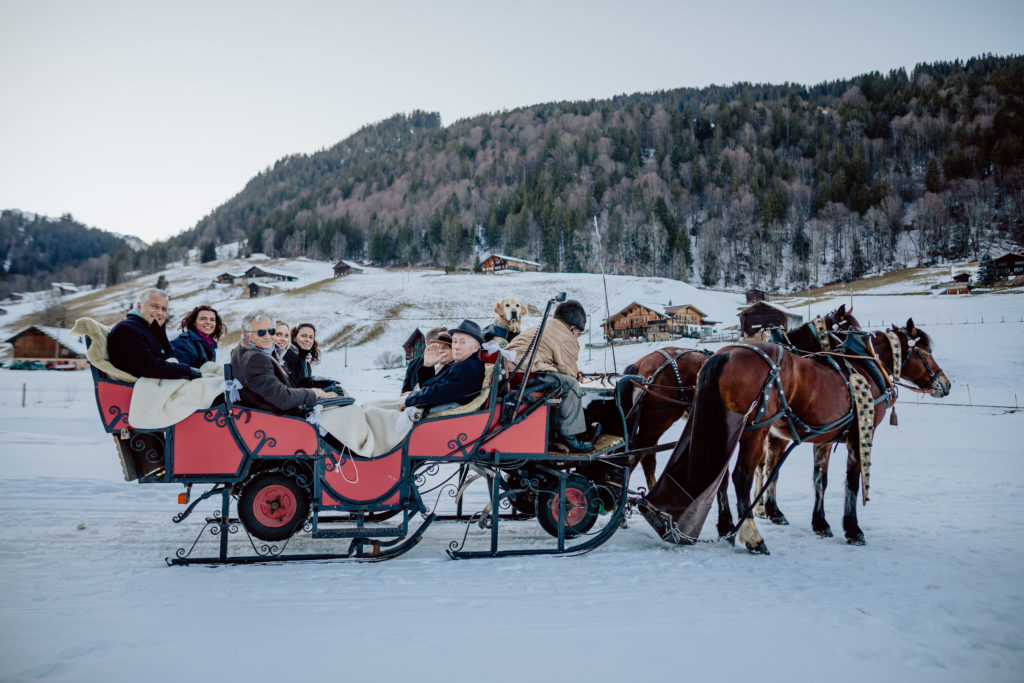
[935,595]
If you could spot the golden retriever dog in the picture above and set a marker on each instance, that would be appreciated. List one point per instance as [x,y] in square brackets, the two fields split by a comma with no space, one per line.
[508,320]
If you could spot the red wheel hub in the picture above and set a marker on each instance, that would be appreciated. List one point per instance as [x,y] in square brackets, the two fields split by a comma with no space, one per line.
[575,507]
[275,505]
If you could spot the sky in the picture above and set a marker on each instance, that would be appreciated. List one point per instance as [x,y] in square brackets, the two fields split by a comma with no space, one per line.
[142,117]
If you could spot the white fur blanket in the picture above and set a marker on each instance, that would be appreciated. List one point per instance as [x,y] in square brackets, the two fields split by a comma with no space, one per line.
[159,403]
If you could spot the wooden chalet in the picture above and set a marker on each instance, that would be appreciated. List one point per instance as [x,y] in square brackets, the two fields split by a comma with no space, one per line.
[44,344]
[638,321]
[496,262]
[343,268]
[958,288]
[754,295]
[962,277]
[226,278]
[686,320]
[62,288]
[257,290]
[414,345]
[256,271]
[3,311]
[762,314]
[1009,265]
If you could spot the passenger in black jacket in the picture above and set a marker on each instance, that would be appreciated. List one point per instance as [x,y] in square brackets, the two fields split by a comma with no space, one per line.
[200,331]
[458,382]
[303,353]
[138,344]
[437,353]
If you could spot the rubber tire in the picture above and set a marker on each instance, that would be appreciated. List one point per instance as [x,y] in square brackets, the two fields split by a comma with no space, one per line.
[582,504]
[272,506]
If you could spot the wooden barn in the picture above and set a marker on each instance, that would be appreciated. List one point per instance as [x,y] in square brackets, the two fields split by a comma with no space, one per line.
[48,343]
[762,314]
[256,271]
[414,345]
[643,321]
[343,268]
[226,278]
[257,290]
[958,288]
[1009,265]
[962,277]
[496,262]
[754,295]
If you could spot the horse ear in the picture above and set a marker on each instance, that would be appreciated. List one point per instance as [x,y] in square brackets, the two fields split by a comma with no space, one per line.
[841,310]
[910,327]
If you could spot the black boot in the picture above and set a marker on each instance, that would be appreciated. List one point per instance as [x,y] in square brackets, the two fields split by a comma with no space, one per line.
[577,446]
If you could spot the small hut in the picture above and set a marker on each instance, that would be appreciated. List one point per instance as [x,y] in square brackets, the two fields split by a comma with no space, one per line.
[256,271]
[762,314]
[256,290]
[226,278]
[496,262]
[414,345]
[343,268]
[754,295]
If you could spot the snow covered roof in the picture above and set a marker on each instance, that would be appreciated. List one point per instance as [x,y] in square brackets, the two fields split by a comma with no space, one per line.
[781,309]
[513,258]
[59,335]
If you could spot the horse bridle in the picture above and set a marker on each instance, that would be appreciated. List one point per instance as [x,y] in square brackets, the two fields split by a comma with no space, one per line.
[927,360]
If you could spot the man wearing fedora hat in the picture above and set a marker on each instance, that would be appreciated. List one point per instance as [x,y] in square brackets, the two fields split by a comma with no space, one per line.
[459,381]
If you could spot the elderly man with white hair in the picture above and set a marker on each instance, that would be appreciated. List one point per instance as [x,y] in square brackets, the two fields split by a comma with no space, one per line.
[138,344]
[265,384]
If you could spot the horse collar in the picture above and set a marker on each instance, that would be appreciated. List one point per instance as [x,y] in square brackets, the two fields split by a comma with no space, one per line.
[821,332]
[897,353]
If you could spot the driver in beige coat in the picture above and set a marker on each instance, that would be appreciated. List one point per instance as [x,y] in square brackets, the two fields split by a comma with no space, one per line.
[558,351]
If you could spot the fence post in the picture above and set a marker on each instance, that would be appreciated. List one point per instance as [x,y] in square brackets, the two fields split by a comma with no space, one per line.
[969,401]
[23,386]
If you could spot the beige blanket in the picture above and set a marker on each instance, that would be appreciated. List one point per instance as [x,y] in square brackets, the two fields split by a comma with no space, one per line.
[368,430]
[159,403]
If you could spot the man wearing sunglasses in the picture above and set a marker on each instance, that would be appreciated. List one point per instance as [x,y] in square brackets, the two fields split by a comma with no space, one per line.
[265,384]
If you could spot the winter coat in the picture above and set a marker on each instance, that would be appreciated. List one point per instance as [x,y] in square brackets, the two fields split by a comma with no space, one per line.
[265,384]
[457,382]
[416,374]
[142,350]
[298,367]
[557,351]
[191,349]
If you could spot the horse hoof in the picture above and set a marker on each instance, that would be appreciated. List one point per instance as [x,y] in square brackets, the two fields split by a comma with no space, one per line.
[759,549]
[856,540]
[779,519]
[824,533]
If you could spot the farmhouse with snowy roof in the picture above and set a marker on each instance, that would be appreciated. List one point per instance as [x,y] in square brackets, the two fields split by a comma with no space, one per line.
[43,344]
[497,262]
[257,272]
[342,268]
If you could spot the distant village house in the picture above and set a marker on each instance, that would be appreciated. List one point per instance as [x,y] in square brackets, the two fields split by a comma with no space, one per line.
[48,344]
[343,268]
[1009,265]
[755,295]
[256,271]
[655,322]
[496,262]
[227,278]
[761,315]
[63,288]
[414,345]
[257,290]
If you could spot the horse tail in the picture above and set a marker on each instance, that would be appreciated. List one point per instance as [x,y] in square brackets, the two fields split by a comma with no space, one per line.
[709,441]
[625,393]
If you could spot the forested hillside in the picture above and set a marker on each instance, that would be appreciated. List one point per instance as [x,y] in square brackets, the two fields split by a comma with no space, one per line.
[36,250]
[768,184]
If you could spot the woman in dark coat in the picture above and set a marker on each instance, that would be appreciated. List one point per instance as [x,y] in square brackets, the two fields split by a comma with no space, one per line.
[303,353]
[197,343]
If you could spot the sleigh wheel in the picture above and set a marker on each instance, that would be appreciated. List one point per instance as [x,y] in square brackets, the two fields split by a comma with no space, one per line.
[273,507]
[581,506]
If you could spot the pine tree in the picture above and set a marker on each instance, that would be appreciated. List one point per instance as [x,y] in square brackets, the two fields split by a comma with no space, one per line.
[209,252]
[161,282]
[986,270]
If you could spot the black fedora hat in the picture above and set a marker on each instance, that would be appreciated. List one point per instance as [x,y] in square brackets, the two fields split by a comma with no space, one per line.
[470,328]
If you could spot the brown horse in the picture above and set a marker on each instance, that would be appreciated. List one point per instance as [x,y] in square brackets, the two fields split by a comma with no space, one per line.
[671,373]
[663,399]
[745,391]
[821,334]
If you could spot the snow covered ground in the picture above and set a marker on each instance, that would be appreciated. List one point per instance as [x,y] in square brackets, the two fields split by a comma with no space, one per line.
[935,595]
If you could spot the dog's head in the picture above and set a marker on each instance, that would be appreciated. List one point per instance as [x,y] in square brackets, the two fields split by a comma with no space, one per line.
[510,311]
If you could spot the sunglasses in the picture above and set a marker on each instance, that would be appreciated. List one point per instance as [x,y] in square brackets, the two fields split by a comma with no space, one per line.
[260,333]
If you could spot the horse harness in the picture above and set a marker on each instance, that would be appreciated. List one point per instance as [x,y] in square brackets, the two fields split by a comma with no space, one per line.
[671,361]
